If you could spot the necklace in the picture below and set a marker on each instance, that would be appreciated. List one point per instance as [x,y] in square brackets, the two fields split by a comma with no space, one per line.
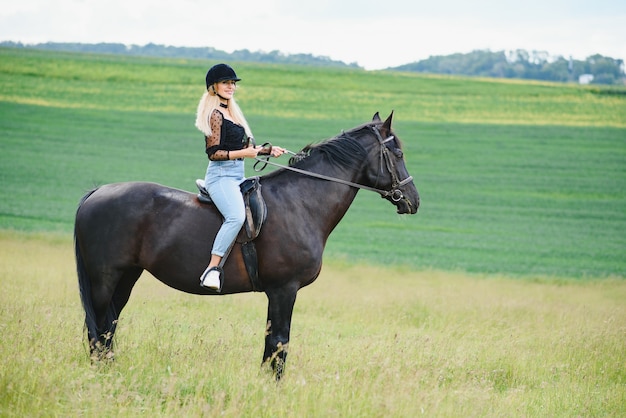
[224,105]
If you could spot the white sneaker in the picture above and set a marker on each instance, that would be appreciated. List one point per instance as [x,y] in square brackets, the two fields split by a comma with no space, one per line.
[211,278]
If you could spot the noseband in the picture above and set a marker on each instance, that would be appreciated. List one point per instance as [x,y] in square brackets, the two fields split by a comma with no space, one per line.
[394,193]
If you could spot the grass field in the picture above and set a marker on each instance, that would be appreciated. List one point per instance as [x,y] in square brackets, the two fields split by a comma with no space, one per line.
[527,179]
[503,296]
[415,344]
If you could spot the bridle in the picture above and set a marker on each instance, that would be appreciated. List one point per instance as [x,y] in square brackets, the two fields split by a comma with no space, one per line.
[394,193]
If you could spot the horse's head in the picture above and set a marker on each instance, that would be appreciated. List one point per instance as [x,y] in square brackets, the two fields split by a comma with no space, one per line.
[386,170]
[370,154]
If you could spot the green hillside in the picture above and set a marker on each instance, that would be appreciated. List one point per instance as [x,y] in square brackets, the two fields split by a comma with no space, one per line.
[523,178]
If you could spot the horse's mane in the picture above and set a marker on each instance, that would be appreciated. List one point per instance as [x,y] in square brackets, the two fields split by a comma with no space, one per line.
[344,150]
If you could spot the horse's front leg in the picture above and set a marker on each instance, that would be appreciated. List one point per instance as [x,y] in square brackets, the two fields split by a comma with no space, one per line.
[279,311]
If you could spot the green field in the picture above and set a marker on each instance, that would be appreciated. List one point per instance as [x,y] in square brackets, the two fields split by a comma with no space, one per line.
[526,179]
[503,297]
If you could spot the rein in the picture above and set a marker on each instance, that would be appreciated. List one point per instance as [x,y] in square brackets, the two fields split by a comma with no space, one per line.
[394,193]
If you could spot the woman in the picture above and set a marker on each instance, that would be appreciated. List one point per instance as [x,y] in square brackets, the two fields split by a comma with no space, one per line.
[228,141]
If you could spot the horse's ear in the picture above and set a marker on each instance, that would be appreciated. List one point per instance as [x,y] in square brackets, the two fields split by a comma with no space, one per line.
[376,117]
[387,124]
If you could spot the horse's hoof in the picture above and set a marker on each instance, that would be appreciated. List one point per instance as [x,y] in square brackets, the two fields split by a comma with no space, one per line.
[100,353]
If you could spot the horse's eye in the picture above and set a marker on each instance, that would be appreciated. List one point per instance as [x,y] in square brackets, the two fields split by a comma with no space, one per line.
[398,153]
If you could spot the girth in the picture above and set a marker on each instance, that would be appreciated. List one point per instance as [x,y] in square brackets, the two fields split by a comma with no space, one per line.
[256,213]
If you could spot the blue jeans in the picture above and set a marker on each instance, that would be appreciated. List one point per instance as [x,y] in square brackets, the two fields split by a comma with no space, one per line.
[222,181]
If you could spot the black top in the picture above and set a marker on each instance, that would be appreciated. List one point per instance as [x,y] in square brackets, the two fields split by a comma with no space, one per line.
[226,136]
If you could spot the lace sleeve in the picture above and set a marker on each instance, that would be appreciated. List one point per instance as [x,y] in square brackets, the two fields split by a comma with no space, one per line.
[213,141]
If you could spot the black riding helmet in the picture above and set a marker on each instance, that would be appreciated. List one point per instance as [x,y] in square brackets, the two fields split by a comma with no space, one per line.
[220,72]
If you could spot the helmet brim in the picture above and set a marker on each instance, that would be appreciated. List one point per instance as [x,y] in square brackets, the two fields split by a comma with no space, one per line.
[219,80]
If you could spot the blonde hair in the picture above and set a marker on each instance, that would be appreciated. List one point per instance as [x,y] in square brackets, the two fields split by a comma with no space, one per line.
[208,103]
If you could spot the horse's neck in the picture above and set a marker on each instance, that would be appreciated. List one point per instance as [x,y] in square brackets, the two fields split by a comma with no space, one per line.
[320,202]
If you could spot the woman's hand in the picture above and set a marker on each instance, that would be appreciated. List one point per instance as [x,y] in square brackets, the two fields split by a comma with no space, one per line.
[252,151]
[276,151]
[272,150]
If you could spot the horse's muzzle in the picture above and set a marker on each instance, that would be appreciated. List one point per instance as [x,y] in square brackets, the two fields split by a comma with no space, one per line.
[405,205]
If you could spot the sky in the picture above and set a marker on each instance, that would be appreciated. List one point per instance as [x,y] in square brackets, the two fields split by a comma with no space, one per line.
[374,34]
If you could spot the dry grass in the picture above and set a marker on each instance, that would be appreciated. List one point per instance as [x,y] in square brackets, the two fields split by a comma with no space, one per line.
[365,342]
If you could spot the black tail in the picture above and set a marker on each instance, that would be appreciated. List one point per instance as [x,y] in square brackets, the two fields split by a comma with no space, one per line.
[84,284]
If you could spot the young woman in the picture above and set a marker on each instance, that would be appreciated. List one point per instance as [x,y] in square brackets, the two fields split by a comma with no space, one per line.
[228,141]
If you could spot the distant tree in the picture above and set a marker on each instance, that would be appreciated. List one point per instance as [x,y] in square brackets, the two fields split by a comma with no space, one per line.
[536,65]
[605,70]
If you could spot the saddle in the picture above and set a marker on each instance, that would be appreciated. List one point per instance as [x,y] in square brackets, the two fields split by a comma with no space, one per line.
[256,213]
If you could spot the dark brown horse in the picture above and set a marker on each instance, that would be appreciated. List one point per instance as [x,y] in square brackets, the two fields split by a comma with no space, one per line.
[122,229]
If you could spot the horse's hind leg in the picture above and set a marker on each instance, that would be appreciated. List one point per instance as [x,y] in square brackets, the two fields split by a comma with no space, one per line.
[279,312]
[108,305]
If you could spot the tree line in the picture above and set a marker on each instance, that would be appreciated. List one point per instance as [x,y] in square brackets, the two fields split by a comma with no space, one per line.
[534,65]
[165,51]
